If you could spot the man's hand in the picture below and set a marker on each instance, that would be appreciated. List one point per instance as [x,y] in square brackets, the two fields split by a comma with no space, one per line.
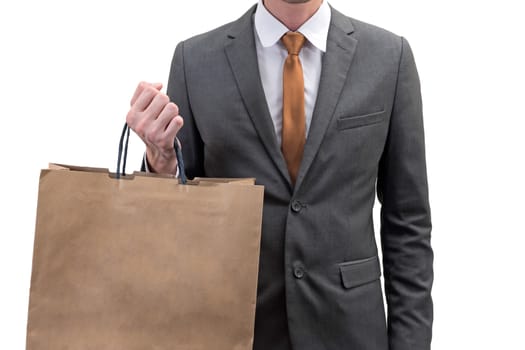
[156,121]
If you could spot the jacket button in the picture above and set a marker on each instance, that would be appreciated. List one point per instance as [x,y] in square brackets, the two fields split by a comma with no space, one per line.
[298,272]
[296,206]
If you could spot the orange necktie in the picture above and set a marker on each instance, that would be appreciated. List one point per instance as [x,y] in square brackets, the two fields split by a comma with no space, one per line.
[294,119]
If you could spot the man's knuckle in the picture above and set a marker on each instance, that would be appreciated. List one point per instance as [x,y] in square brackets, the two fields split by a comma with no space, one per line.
[161,143]
[149,138]
[163,99]
[140,128]
[155,137]
[130,118]
[172,108]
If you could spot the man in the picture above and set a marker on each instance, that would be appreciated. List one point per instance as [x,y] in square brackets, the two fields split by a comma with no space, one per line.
[357,119]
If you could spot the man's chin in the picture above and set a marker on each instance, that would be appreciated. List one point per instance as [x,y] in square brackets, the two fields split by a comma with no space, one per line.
[296,1]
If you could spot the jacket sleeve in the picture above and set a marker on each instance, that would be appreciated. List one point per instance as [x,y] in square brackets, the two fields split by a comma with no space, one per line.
[189,137]
[405,216]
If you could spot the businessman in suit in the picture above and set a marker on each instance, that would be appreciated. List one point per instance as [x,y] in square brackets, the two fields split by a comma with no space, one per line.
[355,127]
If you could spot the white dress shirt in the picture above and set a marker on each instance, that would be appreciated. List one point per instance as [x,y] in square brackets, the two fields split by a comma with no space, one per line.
[271,55]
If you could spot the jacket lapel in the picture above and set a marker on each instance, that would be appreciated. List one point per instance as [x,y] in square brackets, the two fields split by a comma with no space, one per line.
[336,63]
[242,56]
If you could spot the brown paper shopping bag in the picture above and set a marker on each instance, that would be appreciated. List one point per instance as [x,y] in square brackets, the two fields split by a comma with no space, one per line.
[143,262]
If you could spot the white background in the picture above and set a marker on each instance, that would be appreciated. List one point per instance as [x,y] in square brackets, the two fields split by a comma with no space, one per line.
[69,68]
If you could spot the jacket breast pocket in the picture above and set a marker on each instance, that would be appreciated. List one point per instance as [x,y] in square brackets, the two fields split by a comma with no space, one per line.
[358,272]
[349,122]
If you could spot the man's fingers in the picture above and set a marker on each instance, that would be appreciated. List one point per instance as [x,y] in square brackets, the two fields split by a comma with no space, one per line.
[156,134]
[138,91]
[157,105]
[144,99]
[173,127]
[156,121]
[140,87]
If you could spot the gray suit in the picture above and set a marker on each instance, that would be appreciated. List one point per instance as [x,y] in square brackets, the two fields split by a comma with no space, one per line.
[319,285]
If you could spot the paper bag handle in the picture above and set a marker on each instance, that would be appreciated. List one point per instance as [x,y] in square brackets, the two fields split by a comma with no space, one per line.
[123,155]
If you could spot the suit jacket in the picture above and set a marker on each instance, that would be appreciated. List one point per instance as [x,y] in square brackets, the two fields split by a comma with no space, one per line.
[319,279]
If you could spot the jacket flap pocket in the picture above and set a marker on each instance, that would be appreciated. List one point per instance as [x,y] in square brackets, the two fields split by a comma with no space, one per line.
[357,272]
[360,120]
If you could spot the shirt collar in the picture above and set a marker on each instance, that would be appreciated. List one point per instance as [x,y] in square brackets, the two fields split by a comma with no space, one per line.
[315,29]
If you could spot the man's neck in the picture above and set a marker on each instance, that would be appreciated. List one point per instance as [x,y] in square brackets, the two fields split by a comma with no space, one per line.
[292,15]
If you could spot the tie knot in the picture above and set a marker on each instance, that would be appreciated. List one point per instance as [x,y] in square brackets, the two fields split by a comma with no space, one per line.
[293,41]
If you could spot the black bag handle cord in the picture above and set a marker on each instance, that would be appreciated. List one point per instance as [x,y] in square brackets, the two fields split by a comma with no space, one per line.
[123,155]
